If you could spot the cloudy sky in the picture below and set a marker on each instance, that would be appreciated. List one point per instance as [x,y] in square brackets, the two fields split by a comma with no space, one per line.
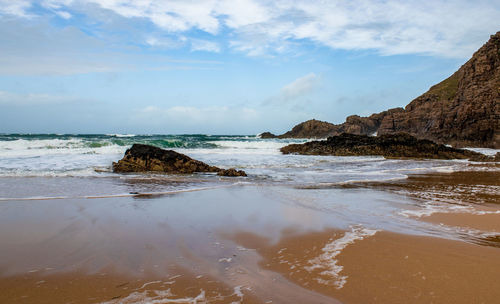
[224,66]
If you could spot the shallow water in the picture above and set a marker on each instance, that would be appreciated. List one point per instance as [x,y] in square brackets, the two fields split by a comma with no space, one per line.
[75,167]
[40,160]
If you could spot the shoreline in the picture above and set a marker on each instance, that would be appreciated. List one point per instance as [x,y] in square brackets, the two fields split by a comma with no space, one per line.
[382,268]
[255,244]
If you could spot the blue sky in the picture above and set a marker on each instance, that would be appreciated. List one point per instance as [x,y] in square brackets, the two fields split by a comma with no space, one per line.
[224,67]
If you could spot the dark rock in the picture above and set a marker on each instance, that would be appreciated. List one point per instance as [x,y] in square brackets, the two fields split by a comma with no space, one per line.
[231,172]
[267,135]
[143,158]
[399,145]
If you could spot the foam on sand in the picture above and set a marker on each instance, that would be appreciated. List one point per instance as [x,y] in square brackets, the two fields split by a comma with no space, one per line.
[327,262]
[158,296]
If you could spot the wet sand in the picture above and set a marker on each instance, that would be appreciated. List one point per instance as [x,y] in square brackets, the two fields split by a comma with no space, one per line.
[109,286]
[251,244]
[483,222]
[385,268]
[101,250]
[462,187]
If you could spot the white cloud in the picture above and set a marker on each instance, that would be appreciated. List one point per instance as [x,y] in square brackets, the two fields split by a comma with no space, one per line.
[64,14]
[300,86]
[255,27]
[296,94]
[15,8]
[170,15]
[35,48]
[166,42]
[56,4]
[444,28]
[204,45]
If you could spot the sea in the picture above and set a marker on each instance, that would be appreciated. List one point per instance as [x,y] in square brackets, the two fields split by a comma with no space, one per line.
[36,167]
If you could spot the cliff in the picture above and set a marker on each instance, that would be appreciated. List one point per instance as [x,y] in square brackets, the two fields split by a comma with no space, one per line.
[462,110]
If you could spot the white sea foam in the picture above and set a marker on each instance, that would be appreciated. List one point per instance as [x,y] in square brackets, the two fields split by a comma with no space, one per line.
[485,151]
[243,146]
[41,147]
[122,135]
[430,209]
[167,296]
[158,297]
[327,262]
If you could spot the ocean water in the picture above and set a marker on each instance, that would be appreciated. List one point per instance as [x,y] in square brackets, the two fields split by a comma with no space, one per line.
[38,166]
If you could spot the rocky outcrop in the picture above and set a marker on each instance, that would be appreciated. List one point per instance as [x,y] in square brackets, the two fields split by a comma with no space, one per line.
[231,172]
[145,158]
[463,110]
[311,129]
[399,145]
[267,135]
[354,124]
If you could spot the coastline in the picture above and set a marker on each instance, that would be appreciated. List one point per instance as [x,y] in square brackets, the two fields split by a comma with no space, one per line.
[227,245]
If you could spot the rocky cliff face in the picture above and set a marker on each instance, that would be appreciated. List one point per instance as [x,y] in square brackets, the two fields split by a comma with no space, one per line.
[463,110]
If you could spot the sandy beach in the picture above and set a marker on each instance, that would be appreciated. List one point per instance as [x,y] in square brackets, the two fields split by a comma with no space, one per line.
[254,244]
[232,152]
[387,268]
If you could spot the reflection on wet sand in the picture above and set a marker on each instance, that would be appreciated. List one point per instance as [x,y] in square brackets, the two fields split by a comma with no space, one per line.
[384,267]
[260,244]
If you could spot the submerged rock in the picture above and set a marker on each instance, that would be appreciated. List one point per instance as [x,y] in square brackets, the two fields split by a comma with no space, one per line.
[145,158]
[231,172]
[399,145]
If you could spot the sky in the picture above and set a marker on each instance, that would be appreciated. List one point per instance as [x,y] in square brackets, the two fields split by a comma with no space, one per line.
[224,66]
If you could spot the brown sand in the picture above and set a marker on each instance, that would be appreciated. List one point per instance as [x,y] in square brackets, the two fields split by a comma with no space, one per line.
[389,267]
[484,222]
[97,257]
[384,268]
[110,287]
